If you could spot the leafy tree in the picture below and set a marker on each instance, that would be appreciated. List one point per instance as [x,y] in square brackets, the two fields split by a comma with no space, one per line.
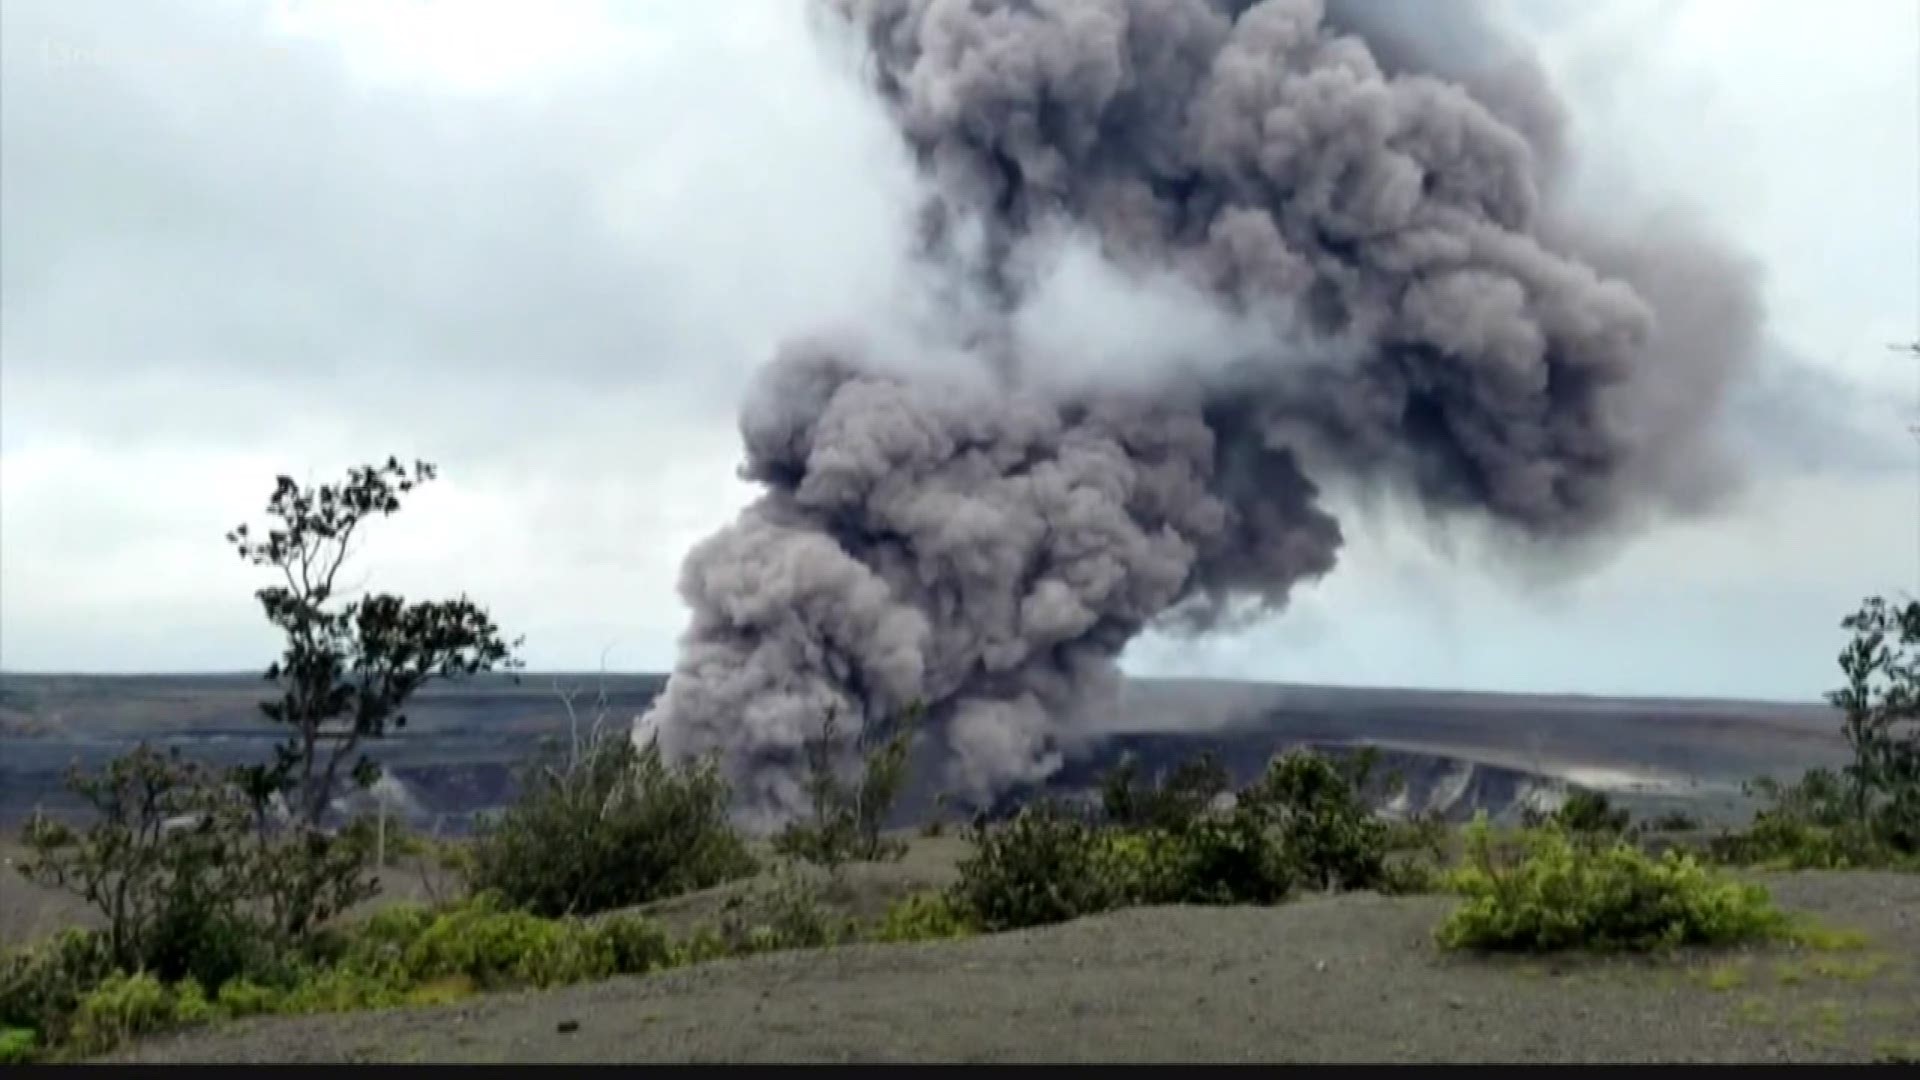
[1880,712]
[156,861]
[1313,805]
[347,669]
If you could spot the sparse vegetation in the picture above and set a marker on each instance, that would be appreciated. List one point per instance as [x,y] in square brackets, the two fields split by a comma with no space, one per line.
[1807,825]
[1867,814]
[929,917]
[1302,824]
[1674,821]
[17,1045]
[1560,895]
[1880,711]
[610,826]
[1587,814]
[404,955]
[848,816]
[1171,803]
[164,861]
[222,893]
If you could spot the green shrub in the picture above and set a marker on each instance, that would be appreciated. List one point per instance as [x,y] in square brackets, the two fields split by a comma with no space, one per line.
[41,988]
[1564,895]
[1042,866]
[1302,822]
[1411,876]
[190,879]
[120,1008]
[1811,825]
[1784,844]
[638,945]
[1416,852]
[244,997]
[338,989]
[1148,866]
[1424,833]
[615,827]
[491,946]
[482,940]
[1236,859]
[797,915]
[1311,807]
[704,944]
[191,1005]
[924,917]
[170,893]
[18,1046]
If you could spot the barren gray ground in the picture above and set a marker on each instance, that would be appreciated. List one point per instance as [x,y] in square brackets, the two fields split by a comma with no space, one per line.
[1344,978]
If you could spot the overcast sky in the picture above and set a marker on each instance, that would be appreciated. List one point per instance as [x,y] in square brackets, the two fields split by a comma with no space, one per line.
[543,245]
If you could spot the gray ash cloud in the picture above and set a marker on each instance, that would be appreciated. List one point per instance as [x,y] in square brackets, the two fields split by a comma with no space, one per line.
[1377,195]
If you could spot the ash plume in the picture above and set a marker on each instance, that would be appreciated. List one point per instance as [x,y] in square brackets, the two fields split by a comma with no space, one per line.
[1377,196]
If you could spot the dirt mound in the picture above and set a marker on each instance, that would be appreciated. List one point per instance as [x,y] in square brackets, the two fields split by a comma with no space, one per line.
[860,890]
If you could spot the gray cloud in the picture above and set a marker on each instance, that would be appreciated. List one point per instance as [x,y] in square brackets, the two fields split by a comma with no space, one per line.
[1482,351]
[191,195]
[232,251]
[229,252]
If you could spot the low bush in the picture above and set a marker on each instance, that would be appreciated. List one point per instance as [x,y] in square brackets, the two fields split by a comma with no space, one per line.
[244,997]
[1560,894]
[788,912]
[613,827]
[1301,824]
[1044,865]
[119,1009]
[41,988]
[1416,852]
[189,875]
[18,1046]
[1424,834]
[1153,866]
[925,917]
[73,1002]
[1811,824]
[1311,807]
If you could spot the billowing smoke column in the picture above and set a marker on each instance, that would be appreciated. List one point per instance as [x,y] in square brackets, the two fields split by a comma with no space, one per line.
[1374,183]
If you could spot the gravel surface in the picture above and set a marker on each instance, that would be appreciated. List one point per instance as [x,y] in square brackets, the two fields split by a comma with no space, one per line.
[1349,978]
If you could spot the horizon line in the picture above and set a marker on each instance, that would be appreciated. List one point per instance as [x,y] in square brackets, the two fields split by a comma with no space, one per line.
[1650,696]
